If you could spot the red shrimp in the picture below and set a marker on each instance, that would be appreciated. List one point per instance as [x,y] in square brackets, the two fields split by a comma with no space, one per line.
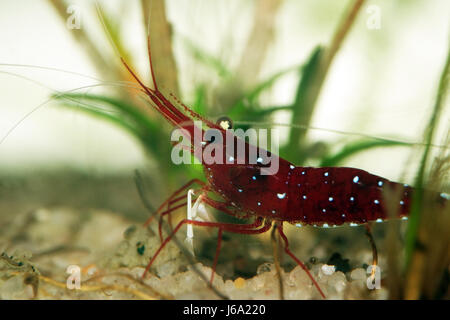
[325,197]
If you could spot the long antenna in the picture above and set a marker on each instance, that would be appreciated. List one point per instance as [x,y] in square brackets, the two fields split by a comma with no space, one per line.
[151,63]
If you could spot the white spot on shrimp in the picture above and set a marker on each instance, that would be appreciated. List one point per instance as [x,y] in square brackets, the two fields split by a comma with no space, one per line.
[406,185]
[402,202]
[231,158]
[324,210]
[379,220]
[326,174]
[292,167]
[343,215]
[304,197]
[273,211]
[445,195]
[259,160]
[330,199]
[254,178]
[240,190]
[298,225]
[352,199]
[353,224]
[380,183]
[303,172]
[376,201]
[325,225]
[298,185]
[281,195]
[404,218]
[259,203]
[355,179]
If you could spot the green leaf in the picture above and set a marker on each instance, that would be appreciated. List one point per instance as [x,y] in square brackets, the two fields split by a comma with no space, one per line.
[267,111]
[199,104]
[206,58]
[126,108]
[128,117]
[357,147]
[269,82]
[249,98]
[119,121]
[303,105]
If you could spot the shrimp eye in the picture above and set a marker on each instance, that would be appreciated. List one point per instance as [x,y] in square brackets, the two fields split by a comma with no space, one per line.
[225,123]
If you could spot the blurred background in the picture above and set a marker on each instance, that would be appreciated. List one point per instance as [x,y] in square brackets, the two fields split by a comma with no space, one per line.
[245,59]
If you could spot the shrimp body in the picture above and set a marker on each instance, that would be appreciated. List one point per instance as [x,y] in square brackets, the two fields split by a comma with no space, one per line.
[306,195]
[332,196]
[328,196]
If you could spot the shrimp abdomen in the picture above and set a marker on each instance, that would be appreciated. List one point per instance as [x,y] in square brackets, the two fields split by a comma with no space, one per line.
[338,195]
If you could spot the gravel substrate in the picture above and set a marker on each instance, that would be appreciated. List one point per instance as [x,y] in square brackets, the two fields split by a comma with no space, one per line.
[110,253]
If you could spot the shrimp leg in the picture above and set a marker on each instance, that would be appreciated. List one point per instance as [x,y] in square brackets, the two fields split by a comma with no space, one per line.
[277,260]
[251,228]
[222,206]
[169,202]
[289,252]
[374,251]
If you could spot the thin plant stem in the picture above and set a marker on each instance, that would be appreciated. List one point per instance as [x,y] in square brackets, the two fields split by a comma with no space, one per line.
[417,205]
